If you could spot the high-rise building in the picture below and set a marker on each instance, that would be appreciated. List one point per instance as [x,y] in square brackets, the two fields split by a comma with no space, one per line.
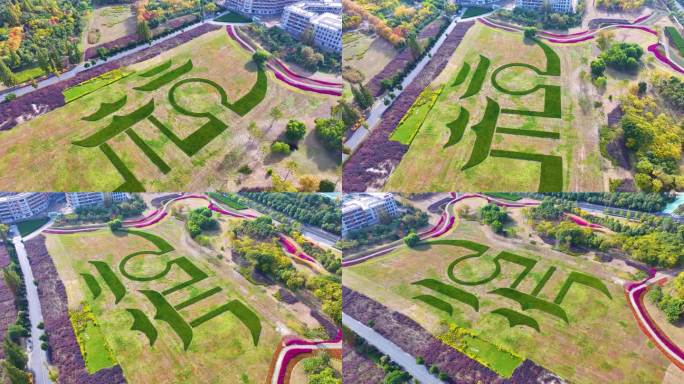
[361,210]
[258,7]
[82,199]
[561,6]
[323,18]
[21,206]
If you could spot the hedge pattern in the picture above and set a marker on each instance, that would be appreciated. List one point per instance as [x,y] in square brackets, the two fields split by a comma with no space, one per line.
[436,302]
[552,104]
[241,311]
[166,313]
[528,132]
[516,318]
[584,279]
[457,127]
[543,281]
[115,285]
[451,291]
[484,131]
[149,152]
[157,69]
[106,109]
[227,199]
[118,125]
[197,140]
[462,75]
[551,176]
[527,302]
[195,299]
[166,77]
[92,284]
[478,79]
[143,324]
[131,183]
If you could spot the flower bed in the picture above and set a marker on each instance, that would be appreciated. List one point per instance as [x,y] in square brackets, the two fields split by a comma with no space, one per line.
[65,352]
[377,151]
[416,341]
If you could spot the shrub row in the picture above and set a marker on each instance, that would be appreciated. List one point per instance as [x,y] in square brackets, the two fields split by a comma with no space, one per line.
[228,199]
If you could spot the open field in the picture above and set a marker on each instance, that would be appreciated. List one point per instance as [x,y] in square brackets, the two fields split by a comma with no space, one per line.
[599,342]
[221,348]
[109,23]
[182,136]
[451,147]
[367,53]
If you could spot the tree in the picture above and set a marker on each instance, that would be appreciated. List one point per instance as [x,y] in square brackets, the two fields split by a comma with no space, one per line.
[115,225]
[604,39]
[275,113]
[11,277]
[281,185]
[598,67]
[414,46]
[260,57]
[311,59]
[15,375]
[211,8]
[295,130]
[6,75]
[14,354]
[144,32]
[530,32]
[643,87]
[411,239]
[308,183]
[280,147]
[362,96]
[326,186]
[330,132]
[307,36]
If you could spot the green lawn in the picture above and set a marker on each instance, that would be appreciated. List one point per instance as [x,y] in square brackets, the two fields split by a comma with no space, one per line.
[232,17]
[97,356]
[227,199]
[475,11]
[29,226]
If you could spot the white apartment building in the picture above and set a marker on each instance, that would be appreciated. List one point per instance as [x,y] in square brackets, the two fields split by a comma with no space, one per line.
[82,199]
[21,206]
[258,7]
[323,17]
[561,6]
[361,210]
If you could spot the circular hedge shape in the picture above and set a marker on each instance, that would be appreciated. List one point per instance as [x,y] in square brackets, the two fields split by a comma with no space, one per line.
[503,89]
[182,110]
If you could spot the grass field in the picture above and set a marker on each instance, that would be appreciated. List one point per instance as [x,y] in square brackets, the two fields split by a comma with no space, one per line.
[221,349]
[367,53]
[29,226]
[429,165]
[46,142]
[108,23]
[600,343]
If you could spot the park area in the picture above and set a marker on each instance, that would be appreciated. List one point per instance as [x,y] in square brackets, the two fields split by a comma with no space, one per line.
[188,125]
[212,324]
[522,114]
[501,301]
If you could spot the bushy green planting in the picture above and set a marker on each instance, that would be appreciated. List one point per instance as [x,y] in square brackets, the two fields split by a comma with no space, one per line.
[532,302]
[227,199]
[451,291]
[551,177]
[198,298]
[462,75]
[166,313]
[27,227]
[457,127]
[584,279]
[484,131]
[166,77]
[478,77]
[143,324]
[516,318]
[436,302]
[118,125]
[92,284]
[106,109]
[113,282]
[131,183]
[92,85]
[156,69]
[149,152]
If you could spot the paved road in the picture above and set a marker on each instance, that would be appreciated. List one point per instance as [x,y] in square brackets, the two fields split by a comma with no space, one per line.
[37,357]
[390,349]
[319,236]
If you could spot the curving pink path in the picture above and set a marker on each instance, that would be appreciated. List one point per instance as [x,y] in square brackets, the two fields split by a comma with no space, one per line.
[289,77]
[635,292]
[579,37]
[295,347]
